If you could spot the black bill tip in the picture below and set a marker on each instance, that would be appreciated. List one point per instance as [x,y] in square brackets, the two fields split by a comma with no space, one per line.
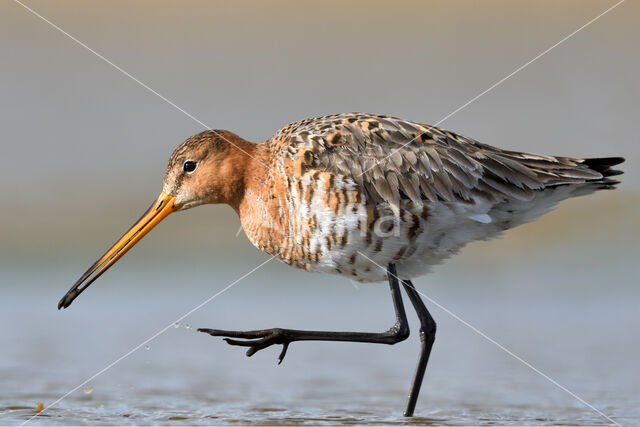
[68,299]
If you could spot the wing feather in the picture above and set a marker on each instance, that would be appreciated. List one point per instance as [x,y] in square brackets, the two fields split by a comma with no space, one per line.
[392,159]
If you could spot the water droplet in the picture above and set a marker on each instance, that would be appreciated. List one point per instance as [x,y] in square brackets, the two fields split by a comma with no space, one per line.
[188,326]
[146,347]
[88,390]
[176,325]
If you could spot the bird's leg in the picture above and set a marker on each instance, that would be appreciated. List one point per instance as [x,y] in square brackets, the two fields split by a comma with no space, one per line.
[260,339]
[427,337]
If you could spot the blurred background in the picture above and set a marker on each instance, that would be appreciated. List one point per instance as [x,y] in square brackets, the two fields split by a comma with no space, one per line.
[83,154]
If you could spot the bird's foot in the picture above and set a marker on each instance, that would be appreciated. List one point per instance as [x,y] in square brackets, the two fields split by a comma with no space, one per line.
[255,340]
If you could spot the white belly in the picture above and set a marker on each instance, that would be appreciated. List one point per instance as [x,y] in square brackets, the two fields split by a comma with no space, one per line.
[447,228]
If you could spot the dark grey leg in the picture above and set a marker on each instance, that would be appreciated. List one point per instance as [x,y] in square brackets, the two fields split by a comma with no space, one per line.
[263,338]
[427,337]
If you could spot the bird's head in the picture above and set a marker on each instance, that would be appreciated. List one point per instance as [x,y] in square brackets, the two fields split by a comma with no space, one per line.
[206,168]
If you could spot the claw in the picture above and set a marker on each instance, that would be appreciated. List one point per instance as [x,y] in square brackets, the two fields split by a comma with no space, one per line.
[283,353]
[258,346]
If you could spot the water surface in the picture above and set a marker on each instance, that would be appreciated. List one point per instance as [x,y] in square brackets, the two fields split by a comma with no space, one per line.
[582,337]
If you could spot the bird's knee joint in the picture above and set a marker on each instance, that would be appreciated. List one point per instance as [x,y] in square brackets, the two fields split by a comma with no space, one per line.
[428,333]
[399,332]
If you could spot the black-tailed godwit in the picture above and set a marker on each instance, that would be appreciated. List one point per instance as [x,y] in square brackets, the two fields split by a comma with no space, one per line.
[348,193]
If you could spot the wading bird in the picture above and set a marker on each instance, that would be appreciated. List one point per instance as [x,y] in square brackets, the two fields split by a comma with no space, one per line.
[365,196]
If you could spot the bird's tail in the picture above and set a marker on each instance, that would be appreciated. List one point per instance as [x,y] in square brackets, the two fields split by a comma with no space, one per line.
[603,165]
[565,178]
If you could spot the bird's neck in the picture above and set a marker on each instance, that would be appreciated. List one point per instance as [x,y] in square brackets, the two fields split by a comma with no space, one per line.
[262,200]
[245,171]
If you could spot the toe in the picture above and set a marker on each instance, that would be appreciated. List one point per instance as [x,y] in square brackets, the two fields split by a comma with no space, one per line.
[245,343]
[232,334]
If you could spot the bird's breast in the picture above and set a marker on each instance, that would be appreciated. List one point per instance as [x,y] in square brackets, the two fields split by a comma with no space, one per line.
[323,222]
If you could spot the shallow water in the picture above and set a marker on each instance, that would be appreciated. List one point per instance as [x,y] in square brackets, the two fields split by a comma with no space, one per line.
[580,335]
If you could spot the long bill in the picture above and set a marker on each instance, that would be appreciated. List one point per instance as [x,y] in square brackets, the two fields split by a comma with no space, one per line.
[158,211]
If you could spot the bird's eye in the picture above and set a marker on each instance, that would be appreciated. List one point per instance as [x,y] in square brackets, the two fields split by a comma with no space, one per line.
[189,166]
